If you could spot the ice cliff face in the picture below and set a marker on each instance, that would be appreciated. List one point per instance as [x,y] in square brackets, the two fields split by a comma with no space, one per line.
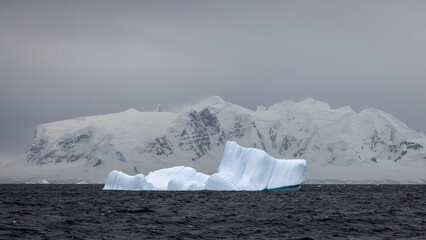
[195,137]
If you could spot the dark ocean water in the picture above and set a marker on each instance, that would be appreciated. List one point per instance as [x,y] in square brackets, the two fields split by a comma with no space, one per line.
[316,212]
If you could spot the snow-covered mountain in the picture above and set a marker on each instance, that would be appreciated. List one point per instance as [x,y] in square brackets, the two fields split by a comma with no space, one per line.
[337,143]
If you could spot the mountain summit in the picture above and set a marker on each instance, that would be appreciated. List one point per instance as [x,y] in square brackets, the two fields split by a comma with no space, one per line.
[331,140]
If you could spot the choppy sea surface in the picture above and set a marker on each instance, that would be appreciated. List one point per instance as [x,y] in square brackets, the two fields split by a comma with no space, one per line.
[315,212]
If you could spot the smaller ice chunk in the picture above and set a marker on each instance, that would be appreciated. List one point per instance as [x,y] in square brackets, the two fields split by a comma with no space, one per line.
[220,183]
[116,180]
[44,181]
[180,185]
[177,178]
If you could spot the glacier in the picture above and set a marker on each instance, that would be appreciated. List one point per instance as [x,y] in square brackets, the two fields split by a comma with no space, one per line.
[241,169]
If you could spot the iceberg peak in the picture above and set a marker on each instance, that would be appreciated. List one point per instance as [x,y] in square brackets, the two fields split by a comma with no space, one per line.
[253,170]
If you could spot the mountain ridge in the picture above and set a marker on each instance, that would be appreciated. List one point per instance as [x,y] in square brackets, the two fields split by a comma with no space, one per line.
[134,141]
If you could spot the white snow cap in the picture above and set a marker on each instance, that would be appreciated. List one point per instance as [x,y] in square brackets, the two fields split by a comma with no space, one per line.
[241,169]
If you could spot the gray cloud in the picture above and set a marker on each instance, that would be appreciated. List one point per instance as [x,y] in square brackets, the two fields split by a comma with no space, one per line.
[63,59]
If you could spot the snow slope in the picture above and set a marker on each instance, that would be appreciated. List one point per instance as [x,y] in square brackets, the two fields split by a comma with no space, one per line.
[375,143]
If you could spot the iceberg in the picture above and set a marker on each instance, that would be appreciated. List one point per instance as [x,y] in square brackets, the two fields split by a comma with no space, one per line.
[44,181]
[252,169]
[241,169]
[117,180]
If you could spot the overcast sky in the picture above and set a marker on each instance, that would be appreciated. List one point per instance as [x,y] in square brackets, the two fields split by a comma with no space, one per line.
[65,59]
